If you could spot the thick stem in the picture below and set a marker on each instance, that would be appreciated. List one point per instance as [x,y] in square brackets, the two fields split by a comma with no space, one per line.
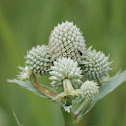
[68,118]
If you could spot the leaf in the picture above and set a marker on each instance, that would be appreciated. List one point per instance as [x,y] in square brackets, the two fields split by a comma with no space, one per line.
[28,85]
[17,119]
[106,88]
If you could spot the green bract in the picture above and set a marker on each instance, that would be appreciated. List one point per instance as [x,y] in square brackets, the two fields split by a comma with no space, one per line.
[37,59]
[25,73]
[95,65]
[66,40]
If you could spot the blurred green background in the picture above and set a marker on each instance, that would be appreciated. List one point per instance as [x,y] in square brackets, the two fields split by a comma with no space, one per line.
[26,23]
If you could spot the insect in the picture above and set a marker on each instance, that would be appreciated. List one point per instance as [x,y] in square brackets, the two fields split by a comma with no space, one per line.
[49,64]
[80,52]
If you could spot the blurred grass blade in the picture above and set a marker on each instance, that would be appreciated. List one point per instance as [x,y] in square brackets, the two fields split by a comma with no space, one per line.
[105,89]
[9,39]
[17,119]
[28,85]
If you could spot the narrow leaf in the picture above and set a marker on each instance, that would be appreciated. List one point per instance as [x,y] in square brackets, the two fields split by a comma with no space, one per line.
[17,119]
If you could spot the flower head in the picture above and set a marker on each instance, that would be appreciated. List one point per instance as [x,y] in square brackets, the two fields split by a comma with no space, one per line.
[66,40]
[89,89]
[65,69]
[37,59]
[95,65]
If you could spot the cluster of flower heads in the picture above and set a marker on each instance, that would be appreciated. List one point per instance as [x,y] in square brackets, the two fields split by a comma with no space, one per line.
[66,58]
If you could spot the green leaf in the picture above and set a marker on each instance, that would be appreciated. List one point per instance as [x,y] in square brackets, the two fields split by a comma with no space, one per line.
[28,85]
[106,88]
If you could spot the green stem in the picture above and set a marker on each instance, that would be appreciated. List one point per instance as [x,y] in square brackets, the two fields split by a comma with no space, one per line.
[82,107]
[68,118]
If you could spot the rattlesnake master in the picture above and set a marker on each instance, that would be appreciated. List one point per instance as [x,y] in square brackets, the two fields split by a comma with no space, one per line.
[89,89]
[65,69]
[37,59]
[95,65]
[65,41]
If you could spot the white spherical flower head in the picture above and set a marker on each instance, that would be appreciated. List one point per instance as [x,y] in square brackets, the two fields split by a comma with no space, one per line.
[89,89]
[66,40]
[65,69]
[37,59]
[95,65]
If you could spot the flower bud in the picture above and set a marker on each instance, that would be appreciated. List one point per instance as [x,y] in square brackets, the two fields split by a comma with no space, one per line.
[65,69]
[95,65]
[37,59]
[89,89]
[66,40]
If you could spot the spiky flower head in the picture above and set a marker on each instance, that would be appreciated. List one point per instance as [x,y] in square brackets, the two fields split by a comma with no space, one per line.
[89,89]
[37,59]
[95,65]
[66,40]
[65,69]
